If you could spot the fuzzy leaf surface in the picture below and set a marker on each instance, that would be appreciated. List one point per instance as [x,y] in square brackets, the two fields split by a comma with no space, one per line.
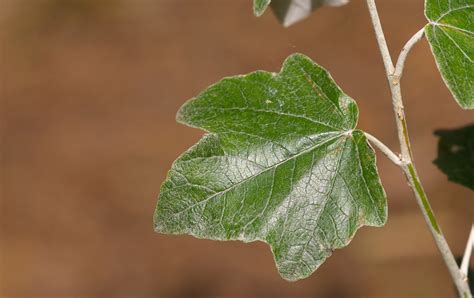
[450,33]
[281,163]
[289,12]
[456,154]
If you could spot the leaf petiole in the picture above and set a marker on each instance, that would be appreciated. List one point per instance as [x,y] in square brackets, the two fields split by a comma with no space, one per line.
[404,53]
[385,150]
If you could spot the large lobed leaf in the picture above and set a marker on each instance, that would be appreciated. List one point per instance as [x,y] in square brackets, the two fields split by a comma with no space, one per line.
[456,154]
[450,34]
[289,12]
[282,163]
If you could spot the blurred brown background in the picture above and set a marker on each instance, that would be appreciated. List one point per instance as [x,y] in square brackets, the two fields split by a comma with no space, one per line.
[89,91]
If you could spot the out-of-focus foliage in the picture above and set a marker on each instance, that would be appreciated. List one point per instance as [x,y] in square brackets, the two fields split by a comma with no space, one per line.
[289,12]
[456,154]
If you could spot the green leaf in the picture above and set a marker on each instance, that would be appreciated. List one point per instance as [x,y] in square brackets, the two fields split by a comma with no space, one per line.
[456,154]
[259,6]
[282,163]
[450,34]
[289,12]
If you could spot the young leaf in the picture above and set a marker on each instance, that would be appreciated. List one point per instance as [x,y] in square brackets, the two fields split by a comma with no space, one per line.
[456,154]
[282,164]
[450,34]
[289,12]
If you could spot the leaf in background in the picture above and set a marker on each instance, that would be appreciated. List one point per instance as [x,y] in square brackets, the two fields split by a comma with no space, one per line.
[282,164]
[450,34]
[456,154]
[289,12]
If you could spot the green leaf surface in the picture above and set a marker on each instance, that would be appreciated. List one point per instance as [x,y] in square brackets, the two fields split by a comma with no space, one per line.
[282,163]
[289,12]
[259,6]
[450,34]
[456,154]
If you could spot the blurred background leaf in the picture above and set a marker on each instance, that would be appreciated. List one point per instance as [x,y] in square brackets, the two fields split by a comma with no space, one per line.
[456,154]
[290,12]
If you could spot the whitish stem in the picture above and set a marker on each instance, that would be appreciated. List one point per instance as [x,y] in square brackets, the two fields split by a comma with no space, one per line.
[467,253]
[404,53]
[406,156]
[374,15]
[385,150]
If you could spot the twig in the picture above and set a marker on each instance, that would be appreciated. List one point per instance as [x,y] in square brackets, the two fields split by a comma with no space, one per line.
[467,253]
[394,86]
[387,60]
[406,155]
[385,150]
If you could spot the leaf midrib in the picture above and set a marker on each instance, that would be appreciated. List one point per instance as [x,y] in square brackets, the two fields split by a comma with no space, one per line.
[445,25]
[455,44]
[263,171]
[451,11]
[302,117]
